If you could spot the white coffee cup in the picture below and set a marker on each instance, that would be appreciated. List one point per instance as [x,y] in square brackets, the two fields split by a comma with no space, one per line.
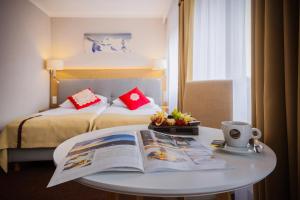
[238,134]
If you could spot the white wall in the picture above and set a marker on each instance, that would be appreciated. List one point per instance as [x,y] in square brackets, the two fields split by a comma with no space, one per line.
[148,41]
[25,42]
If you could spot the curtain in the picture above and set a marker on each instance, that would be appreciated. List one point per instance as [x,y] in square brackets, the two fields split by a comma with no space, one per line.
[172,55]
[276,92]
[186,18]
[222,48]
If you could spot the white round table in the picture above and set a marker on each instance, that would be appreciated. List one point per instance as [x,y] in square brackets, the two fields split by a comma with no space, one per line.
[247,170]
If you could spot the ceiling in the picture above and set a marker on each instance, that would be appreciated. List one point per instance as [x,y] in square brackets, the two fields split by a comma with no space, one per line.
[105,8]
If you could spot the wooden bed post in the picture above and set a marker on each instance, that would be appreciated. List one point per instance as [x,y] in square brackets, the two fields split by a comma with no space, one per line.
[53,90]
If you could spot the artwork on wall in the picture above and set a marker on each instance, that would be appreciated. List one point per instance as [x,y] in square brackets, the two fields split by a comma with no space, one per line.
[107,42]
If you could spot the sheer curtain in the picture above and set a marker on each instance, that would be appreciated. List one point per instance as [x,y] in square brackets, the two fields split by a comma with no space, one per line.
[222,48]
[172,55]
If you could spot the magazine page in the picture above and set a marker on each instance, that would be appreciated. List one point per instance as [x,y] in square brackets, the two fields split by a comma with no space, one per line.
[163,152]
[118,151]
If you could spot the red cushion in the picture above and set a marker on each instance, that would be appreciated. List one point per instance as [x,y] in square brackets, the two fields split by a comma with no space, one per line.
[134,99]
[84,99]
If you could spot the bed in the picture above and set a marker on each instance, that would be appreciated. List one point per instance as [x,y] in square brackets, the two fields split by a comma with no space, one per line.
[120,116]
[116,115]
[48,129]
[44,130]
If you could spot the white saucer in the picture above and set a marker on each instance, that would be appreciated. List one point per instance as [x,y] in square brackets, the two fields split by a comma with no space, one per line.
[236,150]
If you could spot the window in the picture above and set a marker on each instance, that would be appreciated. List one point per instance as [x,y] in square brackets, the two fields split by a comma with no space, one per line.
[172,56]
[222,39]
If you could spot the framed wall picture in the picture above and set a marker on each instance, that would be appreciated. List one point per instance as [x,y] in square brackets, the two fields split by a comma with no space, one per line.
[97,43]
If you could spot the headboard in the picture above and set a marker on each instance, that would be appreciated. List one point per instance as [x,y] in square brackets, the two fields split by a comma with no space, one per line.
[109,82]
[111,88]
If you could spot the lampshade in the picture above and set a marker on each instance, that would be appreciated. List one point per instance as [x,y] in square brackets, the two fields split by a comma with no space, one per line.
[161,63]
[55,64]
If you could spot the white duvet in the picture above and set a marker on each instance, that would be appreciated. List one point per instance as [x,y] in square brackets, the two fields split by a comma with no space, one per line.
[125,111]
[103,108]
[97,109]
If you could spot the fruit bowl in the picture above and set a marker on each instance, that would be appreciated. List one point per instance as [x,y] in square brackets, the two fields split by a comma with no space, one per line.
[175,130]
[176,124]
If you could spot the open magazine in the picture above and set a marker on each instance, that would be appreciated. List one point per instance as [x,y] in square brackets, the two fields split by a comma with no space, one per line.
[140,151]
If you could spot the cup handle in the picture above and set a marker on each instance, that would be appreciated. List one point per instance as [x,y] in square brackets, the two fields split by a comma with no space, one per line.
[258,133]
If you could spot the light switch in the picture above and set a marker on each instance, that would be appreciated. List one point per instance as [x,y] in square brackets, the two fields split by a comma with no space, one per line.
[54,99]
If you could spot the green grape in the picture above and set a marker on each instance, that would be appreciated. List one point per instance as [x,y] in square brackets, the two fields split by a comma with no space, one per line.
[177,115]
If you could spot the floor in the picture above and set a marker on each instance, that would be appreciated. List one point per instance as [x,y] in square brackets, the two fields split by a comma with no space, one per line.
[30,183]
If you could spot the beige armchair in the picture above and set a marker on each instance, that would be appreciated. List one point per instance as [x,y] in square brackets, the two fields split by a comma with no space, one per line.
[209,101]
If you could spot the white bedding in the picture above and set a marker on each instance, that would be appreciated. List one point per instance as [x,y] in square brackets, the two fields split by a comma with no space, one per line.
[97,108]
[103,108]
[125,111]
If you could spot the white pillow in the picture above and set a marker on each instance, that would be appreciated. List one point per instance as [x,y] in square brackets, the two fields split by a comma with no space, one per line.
[118,102]
[148,105]
[68,104]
